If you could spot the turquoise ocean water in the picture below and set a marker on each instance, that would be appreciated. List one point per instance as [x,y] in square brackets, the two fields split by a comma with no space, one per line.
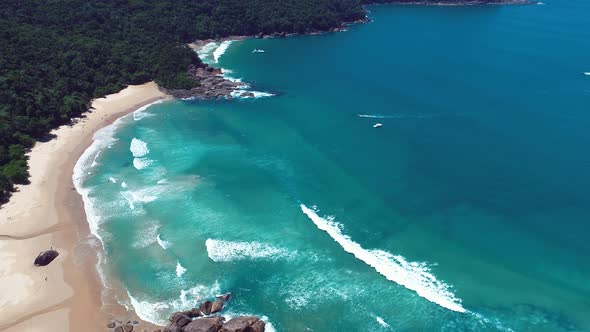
[468,210]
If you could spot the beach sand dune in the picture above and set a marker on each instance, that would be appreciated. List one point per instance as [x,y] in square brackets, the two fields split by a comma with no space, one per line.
[49,213]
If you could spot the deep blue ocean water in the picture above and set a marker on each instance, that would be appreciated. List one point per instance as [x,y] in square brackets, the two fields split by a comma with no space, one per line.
[468,210]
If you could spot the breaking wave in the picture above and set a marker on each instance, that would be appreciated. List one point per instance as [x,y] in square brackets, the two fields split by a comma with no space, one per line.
[164,244]
[221,50]
[247,94]
[227,251]
[139,150]
[382,322]
[205,52]
[180,270]
[412,275]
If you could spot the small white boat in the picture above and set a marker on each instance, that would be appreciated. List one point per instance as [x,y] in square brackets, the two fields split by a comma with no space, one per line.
[257,50]
[377,125]
[587,73]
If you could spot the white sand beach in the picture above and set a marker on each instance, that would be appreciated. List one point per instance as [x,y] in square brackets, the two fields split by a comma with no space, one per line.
[48,213]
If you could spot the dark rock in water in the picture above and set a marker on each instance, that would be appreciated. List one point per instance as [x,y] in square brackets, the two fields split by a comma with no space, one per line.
[224,297]
[205,307]
[128,328]
[46,257]
[241,324]
[134,322]
[194,312]
[111,325]
[119,329]
[217,306]
[247,94]
[209,324]
[180,319]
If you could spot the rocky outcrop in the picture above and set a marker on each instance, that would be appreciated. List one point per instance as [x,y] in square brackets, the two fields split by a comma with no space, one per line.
[208,324]
[46,257]
[205,307]
[217,306]
[212,85]
[243,324]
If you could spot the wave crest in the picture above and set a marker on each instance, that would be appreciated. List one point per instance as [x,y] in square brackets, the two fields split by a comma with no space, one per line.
[412,275]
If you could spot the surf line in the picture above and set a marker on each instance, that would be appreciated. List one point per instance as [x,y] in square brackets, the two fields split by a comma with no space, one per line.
[413,276]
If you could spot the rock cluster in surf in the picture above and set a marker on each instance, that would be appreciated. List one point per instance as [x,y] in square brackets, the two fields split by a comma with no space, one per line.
[200,319]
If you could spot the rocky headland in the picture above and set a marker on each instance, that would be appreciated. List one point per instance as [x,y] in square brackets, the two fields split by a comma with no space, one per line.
[212,84]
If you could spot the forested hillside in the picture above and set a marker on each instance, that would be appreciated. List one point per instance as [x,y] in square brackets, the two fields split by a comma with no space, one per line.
[57,55]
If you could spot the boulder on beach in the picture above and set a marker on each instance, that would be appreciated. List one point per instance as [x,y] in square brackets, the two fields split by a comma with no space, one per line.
[46,257]
[209,324]
[242,324]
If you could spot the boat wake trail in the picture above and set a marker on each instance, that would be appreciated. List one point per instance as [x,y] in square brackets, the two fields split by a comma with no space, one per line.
[394,116]
[412,275]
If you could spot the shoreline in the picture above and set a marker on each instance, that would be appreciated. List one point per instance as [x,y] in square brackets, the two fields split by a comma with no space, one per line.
[49,213]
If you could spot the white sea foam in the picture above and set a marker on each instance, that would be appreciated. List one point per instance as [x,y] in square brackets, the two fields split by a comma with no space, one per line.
[180,270]
[138,148]
[205,52]
[587,73]
[412,275]
[227,251]
[164,244]
[302,292]
[141,163]
[134,198]
[221,50]
[112,179]
[382,322]
[157,312]
[255,94]
[146,236]
[94,162]
[123,184]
